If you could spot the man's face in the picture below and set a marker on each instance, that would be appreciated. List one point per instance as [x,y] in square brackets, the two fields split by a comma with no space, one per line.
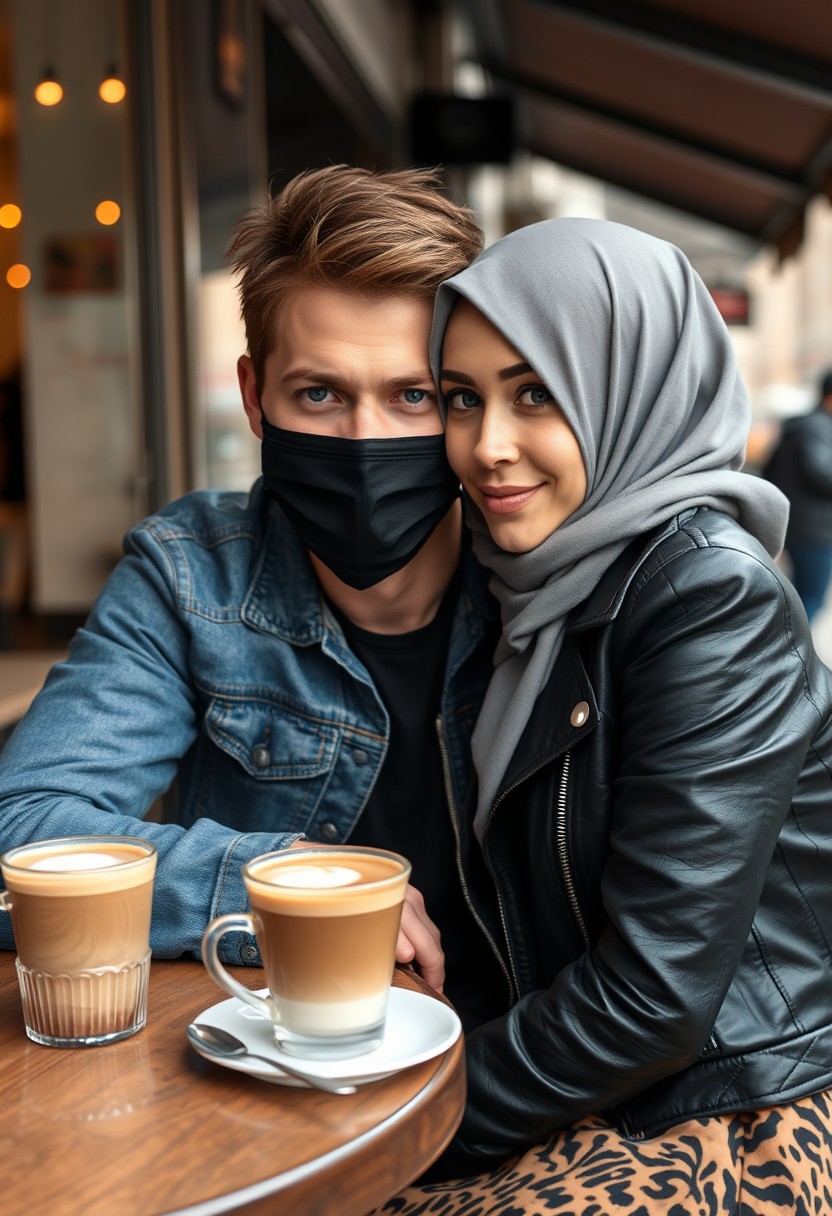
[346,366]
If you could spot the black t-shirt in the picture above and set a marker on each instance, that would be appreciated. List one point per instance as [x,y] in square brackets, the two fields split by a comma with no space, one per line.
[408,811]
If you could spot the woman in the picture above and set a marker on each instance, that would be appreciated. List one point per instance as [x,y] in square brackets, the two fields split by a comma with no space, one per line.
[654,754]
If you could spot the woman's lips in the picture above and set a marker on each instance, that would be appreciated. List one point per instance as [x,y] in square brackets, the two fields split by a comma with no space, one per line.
[502,500]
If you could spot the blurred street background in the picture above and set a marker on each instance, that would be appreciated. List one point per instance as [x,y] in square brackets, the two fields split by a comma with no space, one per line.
[822,632]
[134,133]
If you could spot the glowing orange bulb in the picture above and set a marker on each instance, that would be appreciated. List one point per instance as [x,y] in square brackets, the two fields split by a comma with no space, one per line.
[18,275]
[112,90]
[107,212]
[10,215]
[48,93]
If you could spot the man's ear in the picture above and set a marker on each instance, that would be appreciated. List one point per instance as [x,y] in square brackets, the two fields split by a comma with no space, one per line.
[250,394]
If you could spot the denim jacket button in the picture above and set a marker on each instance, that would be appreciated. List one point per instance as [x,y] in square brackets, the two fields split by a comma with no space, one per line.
[260,756]
[580,714]
[249,953]
[329,831]
[359,756]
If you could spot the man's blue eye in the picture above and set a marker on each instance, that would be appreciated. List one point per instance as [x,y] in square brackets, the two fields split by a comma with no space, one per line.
[415,396]
[317,394]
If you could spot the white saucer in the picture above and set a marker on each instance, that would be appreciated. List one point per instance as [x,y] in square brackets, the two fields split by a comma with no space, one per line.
[418,1027]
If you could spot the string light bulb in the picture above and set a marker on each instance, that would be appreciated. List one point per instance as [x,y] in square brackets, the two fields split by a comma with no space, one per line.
[18,275]
[112,88]
[107,212]
[10,215]
[48,91]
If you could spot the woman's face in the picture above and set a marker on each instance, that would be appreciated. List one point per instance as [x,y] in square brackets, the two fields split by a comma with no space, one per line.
[507,440]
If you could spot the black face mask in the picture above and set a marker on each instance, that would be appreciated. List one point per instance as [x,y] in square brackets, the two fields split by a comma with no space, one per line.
[364,507]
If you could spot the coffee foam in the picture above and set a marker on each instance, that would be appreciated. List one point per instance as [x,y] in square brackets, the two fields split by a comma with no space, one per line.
[316,877]
[379,882]
[63,862]
[52,869]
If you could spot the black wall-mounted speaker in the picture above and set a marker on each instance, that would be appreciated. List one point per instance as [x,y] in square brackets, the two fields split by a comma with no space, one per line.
[451,130]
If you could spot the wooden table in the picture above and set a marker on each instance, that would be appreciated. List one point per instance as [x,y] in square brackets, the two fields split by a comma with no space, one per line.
[146,1126]
[21,677]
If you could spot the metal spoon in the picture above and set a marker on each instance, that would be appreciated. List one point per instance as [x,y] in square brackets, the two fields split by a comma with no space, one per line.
[220,1043]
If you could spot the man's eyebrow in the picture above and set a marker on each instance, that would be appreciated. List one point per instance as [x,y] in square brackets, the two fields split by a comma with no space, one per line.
[507,373]
[420,375]
[312,373]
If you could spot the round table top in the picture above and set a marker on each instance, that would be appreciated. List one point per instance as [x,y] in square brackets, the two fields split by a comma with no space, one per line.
[146,1126]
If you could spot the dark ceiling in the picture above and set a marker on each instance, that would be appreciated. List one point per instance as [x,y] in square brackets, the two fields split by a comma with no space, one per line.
[720,107]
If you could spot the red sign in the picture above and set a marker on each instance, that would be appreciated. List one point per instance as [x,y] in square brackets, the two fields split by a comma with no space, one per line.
[732,303]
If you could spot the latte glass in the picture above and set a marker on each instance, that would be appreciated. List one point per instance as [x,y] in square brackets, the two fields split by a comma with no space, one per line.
[80,909]
[326,921]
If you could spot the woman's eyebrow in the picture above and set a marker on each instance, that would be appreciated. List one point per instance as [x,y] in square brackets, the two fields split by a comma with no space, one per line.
[516,369]
[507,373]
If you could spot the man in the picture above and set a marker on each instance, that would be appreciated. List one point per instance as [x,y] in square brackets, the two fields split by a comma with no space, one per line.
[801,466]
[309,662]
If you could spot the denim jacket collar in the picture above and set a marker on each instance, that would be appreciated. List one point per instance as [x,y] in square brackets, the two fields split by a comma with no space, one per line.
[283,596]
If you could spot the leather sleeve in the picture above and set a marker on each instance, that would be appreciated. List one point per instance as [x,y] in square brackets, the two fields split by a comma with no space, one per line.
[716,718]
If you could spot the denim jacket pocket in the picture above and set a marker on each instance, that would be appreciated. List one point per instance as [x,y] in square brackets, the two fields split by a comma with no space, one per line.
[271,742]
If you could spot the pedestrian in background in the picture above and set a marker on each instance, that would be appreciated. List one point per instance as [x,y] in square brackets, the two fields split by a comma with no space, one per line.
[801,466]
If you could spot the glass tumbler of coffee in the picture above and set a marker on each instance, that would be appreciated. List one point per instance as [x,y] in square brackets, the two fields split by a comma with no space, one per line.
[80,910]
[326,919]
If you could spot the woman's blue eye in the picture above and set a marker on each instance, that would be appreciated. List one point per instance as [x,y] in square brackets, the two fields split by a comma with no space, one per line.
[318,395]
[415,396]
[461,400]
[536,396]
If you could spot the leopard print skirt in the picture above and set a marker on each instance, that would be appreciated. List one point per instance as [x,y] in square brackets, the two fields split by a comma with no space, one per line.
[758,1163]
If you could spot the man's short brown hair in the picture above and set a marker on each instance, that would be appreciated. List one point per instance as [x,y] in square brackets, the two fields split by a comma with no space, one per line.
[352,229]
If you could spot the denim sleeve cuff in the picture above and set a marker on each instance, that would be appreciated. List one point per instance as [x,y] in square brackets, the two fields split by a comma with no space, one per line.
[240,949]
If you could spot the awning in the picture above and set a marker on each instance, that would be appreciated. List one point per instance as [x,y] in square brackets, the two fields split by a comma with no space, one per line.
[720,107]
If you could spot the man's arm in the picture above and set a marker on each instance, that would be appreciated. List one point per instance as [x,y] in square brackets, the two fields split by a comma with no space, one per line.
[103,740]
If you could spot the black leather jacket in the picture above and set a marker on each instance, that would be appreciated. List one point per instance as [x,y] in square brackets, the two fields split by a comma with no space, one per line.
[662,852]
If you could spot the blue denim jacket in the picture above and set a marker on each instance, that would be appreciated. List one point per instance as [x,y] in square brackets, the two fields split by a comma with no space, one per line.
[212,655]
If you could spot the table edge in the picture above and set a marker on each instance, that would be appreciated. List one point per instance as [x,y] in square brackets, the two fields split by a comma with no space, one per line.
[271,1188]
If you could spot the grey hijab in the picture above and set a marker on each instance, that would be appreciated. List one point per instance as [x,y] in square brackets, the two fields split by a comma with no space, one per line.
[623,332]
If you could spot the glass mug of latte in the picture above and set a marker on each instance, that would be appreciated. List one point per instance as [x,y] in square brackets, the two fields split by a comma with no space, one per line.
[326,920]
[80,910]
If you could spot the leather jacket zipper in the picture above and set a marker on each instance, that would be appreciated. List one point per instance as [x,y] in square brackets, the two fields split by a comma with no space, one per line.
[449,794]
[629,1132]
[504,794]
[563,855]
[566,869]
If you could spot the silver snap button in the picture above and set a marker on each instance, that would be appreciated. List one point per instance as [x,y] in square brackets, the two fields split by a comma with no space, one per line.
[249,953]
[360,757]
[580,714]
[329,831]
[261,756]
